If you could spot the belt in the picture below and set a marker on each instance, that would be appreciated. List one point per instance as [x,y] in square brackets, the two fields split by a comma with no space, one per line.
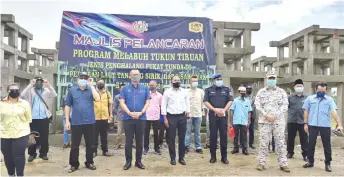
[181,114]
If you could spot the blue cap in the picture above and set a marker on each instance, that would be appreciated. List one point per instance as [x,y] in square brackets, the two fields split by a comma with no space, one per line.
[248,87]
[215,76]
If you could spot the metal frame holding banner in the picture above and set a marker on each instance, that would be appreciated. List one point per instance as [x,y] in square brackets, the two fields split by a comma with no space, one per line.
[108,46]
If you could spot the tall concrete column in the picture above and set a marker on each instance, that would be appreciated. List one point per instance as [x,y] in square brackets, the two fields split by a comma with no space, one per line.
[292,52]
[25,65]
[318,69]
[280,56]
[247,43]
[238,65]
[308,88]
[269,67]
[13,38]
[220,65]
[237,44]
[309,48]
[293,69]
[25,44]
[13,61]
[341,70]
[261,67]
[334,48]
[340,100]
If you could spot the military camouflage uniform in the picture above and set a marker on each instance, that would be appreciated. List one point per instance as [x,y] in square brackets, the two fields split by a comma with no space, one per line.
[272,101]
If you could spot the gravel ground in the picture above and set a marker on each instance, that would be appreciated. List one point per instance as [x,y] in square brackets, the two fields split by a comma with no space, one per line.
[197,165]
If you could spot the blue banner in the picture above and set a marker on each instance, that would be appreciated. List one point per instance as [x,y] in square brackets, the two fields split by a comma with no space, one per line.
[109,46]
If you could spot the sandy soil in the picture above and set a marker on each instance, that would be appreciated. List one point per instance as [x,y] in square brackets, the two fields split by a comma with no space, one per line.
[197,165]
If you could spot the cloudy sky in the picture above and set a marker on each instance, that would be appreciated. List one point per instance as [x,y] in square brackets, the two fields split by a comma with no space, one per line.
[278,18]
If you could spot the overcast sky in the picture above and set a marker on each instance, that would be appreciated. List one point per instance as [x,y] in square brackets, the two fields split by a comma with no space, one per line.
[278,18]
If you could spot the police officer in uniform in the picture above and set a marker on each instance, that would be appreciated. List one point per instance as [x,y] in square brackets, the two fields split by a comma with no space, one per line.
[218,98]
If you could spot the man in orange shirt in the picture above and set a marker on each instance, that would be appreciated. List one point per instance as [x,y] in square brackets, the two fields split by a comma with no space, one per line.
[103,113]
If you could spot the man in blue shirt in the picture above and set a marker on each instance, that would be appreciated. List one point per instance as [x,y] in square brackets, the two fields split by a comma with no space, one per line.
[66,142]
[39,93]
[318,109]
[134,101]
[80,100]
[240,120]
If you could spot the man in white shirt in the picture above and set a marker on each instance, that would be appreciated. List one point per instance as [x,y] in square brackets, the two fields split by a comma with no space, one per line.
[175,109]
[196,96]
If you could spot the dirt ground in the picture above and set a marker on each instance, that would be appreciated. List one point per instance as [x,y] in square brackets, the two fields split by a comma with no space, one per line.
[197,165]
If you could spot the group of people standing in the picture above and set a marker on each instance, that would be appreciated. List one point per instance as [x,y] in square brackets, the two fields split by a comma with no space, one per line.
[88,110]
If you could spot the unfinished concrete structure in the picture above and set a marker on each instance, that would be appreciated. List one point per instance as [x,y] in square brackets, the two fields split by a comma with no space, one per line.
[315,54]
[233,53]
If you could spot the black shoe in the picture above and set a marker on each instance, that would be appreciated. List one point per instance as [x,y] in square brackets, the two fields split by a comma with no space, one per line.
[44,157]
[252,146]
[173,162]
[245,152]
[145,151]
[187,150]
[212,160]
[107,154]
[127,166]
[139,165]
[72,169]
[95,155]
[235,151]
[207,146]
[31,158]
[289,155]
[225,161]
[199,151]
[308,165]
[328,168]
[182,161]
[134,146]
[158,151]
[91,166]
[305,158]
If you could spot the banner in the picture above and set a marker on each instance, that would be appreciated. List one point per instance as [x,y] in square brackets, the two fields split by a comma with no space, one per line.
[108,46]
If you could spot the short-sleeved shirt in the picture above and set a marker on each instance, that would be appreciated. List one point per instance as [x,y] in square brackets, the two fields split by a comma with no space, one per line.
[295,111]
[135,99]
[218,97]
[153,111]
[241,107]
[81,102]
[63,103]
[319,110]
[117,108]
[101,107]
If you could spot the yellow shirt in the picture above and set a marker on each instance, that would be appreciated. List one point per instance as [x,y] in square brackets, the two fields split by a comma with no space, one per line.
[101,108]
[15,118]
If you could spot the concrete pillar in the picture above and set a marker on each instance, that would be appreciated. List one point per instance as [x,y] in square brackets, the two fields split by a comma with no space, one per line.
[220,65]
[280,53]
[247,43]
[309,48]
[269,67]
[13,38]
[292,53]
[238,64]
[334,48]
[237,44]
[2,53]
[25,44]
[318,69]
[341,70]
[227,81]
[25,65]
[293,69]
[340,100]
[13,61]
[308,88]
[261,67]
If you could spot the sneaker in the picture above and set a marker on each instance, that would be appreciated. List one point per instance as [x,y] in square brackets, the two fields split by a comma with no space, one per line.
[107,154]
[64,146]
[252,146]
[260,167]
[91,166]
[44,157]
[145,151]
[285,169]
[31,158]
[187,150]
[72,169]
[289,155]
[158,151]
[235,151]
[199,151]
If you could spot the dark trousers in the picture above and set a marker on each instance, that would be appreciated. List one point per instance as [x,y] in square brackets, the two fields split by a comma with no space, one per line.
[155,124]
[13,151]
[325,133]
[42,127]
[77,131]
[101,129]
[218,124]
[292,129]
[176,121]
[251,132]
[134,127]
[162,129]
[240,130]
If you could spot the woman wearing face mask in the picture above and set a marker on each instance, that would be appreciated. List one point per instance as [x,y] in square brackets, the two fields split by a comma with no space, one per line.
[15,116]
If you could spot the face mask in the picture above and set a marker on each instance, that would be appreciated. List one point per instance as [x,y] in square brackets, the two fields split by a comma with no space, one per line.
[101,86]
[249,92]
[271,83]
[219,83]
[82,82]
[321,94]
[135,78]
[14,94]
[243,94]
[38,85]
[194,84]
[152,88]
[299,89]
[176,85]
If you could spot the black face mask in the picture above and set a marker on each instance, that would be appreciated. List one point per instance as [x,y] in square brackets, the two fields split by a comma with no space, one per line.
[101,86]
[176,85]
[243,94]
[38,85]
[14,94]
[249,92]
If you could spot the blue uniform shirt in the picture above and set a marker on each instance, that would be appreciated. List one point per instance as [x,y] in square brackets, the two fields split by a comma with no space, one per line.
[81,102]
[319,110]
[241,107]
[38,107]
[135,99]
